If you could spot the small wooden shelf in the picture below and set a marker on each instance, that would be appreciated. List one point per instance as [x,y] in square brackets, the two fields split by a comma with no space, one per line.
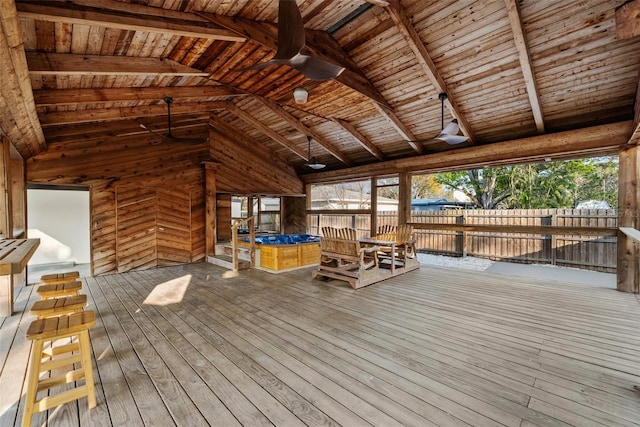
[14,256]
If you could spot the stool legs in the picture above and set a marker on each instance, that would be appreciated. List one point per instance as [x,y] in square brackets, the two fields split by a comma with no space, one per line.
[32,385]
[37,366]
[85,351]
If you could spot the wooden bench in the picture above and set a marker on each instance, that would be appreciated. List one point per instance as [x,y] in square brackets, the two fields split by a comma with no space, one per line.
[404,256]
[342,257]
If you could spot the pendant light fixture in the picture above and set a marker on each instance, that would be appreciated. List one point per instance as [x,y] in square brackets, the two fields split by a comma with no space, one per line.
[300,95]
[449,134]
[313,163]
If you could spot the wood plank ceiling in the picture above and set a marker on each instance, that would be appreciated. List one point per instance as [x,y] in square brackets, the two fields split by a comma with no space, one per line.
[512,70]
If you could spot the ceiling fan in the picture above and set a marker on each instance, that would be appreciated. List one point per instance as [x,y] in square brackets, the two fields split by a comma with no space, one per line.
[169,137]
[313,162]
[448,134]
[291,40]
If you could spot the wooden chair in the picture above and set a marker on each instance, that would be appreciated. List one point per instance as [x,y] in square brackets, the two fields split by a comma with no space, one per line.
[343,258]
[75,325]
[405,245]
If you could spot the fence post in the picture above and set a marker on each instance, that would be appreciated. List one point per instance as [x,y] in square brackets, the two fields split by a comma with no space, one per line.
[550,220]
[554,242]
[462,237]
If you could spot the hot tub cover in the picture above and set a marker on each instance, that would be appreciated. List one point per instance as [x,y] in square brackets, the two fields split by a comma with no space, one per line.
[284,239]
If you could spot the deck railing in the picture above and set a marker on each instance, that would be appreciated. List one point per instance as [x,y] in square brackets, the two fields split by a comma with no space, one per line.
[569,237]
[235,248]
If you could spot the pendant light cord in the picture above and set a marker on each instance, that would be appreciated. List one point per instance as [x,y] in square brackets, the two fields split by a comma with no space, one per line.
[442,97]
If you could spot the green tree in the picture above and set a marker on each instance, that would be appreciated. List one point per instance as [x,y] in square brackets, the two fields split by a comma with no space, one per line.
[487,188]
[560,184]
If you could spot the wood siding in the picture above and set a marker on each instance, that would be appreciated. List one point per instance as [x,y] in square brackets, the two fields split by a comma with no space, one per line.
[294,216]
[141,164]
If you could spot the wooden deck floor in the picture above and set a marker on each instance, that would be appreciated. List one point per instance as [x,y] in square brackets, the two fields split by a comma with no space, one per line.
[183,346]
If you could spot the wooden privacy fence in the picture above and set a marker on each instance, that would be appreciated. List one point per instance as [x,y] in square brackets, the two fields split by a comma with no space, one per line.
[578,238]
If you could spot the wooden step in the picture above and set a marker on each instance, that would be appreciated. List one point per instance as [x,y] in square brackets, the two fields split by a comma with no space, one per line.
[226,261]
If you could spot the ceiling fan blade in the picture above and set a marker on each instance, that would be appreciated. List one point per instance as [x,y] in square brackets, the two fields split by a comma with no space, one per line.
[450,134]
[159,135]
[259,66]
[452,139]
[167,138]
[194,141]
[291,38]
[314,68]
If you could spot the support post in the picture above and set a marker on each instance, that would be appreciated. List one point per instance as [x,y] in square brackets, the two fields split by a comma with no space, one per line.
[628,200]
[404,194]
[374,207]
[211,215]
[7,184]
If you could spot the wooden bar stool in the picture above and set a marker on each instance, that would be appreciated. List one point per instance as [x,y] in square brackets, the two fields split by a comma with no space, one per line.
[60,290]
[59,306]
[52,329]
[57,278]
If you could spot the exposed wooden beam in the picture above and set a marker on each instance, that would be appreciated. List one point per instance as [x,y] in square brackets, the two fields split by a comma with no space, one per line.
[381,3]
[42,63]
[250,119]
[177,23]
[525,62]
[296,124]
[628,20]
[318,43]
[124,113]
[412,38]
[51,97]
[596,140]
[19,120]
[401,128]
[360,138]
[635,136]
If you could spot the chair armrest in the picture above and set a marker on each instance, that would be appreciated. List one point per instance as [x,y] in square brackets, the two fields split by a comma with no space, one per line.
[370,249]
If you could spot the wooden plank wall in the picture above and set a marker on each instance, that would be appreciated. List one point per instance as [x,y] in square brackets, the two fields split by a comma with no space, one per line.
[103,228]
[294,216]
[223,216]
[245,167]
[136,232]
[198,220]
[106,164]
[173,226]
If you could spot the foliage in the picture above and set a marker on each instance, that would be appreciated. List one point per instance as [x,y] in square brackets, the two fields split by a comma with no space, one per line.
[427,187]
[560,184]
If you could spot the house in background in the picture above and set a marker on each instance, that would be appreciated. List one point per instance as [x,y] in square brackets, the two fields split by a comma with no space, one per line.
[438,204]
